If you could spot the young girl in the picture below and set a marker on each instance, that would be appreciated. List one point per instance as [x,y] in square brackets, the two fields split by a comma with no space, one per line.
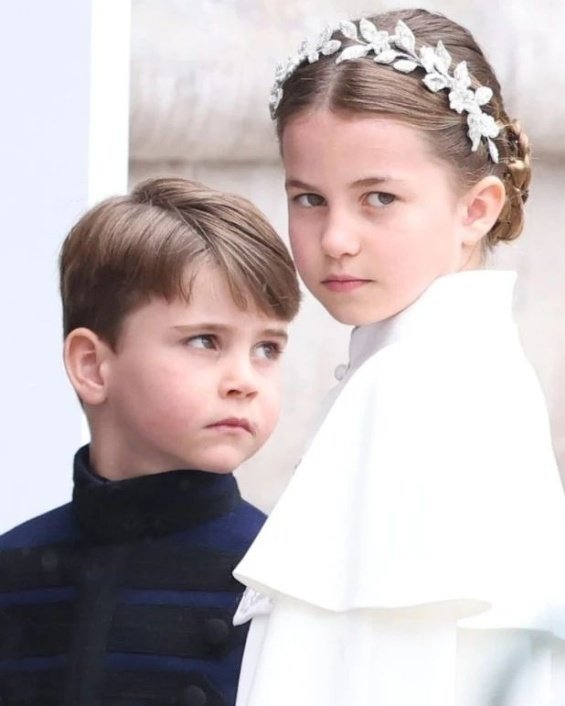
[418,549]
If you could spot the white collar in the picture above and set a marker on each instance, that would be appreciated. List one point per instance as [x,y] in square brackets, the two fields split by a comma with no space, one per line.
[465,300]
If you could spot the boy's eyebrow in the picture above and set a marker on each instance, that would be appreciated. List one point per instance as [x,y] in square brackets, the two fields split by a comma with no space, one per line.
[275,333]
[224,328]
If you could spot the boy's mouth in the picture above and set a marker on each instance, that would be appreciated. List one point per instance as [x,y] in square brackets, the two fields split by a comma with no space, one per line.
[233,423]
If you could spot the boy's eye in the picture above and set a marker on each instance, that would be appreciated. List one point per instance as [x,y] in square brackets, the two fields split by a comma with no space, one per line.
[204,340]
[380,198]
[309,200]
[268,350]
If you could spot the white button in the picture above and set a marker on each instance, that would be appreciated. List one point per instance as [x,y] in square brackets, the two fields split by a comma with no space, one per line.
[340,371]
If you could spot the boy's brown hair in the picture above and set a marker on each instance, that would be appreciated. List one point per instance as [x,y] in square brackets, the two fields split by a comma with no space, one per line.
[131,248]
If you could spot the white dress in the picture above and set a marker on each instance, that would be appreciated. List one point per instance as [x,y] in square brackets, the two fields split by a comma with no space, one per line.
[417,556]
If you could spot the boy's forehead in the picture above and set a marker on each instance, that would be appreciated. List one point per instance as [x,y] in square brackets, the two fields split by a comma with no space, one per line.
[160,319]
[210,289]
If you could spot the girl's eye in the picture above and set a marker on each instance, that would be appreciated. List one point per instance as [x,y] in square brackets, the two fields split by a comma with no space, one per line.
[380,198]
[205,340]
[309,200]
[268,350]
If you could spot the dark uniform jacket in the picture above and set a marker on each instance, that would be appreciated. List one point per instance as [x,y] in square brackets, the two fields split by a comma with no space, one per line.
[125,596]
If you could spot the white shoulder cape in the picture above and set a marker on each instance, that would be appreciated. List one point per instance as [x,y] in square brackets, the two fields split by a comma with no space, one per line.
[432,478]
[431,487]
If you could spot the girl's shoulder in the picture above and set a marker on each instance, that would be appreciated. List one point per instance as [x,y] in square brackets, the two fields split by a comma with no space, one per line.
[429,380]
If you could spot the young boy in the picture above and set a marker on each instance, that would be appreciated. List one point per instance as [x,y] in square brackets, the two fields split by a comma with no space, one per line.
[175,301]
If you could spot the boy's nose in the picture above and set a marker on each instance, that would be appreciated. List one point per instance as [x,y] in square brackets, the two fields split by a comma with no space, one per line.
[239,379]
[339,237]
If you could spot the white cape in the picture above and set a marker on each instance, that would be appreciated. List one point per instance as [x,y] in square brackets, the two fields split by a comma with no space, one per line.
[428,501]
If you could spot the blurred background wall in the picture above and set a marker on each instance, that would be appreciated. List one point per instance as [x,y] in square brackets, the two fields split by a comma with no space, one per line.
[201,76]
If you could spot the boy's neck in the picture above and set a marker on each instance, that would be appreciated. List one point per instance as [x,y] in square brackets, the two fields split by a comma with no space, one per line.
[115,461]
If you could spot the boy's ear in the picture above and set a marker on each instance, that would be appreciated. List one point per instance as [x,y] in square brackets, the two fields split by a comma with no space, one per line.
[85,355]
[482,206]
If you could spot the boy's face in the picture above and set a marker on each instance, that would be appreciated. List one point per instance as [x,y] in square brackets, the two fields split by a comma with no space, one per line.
[192,385]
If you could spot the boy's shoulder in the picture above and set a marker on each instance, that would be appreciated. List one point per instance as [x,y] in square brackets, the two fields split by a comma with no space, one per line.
[248,519]
[233,531]
[52,527]
[245,520]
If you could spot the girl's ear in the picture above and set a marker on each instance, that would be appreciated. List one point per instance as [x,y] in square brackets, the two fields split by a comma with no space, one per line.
[86,355]
[482,205]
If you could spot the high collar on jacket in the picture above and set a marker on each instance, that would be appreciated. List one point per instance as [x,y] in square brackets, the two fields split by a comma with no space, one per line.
[147,506]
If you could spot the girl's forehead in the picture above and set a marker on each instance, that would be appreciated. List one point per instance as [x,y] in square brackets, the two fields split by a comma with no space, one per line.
[331,131]
[326,140]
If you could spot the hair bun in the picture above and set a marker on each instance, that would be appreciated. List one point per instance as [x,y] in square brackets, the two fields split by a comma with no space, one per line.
[517,178]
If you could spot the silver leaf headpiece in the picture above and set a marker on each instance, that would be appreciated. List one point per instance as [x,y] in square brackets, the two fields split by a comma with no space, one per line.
[399,51]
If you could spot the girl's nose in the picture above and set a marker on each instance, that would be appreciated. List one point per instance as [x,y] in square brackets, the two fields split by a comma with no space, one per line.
[339,237]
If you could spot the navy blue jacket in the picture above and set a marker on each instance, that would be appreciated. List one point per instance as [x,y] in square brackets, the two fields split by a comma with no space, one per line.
[125,596]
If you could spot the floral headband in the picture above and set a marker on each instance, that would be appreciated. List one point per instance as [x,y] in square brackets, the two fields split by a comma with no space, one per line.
[399,51]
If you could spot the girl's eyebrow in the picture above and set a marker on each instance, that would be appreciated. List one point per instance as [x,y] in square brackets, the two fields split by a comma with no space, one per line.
[372,181]
[365,181]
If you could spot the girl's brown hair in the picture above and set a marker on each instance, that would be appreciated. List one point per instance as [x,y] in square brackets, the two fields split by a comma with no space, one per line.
[363,86]
[128,249]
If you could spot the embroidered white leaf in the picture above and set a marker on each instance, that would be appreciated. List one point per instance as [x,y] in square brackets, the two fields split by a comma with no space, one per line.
[293,63]
[368,30]
[440,64]
[348,29]
[355,52]
[405,65]
[462,99]
[405,39]
[325,35]
[276,97]
[381,42]
[493,151]
[475,137]
[331,47]
[443,56]
[387,56]
[461,74]
[428,57]
[483,94]
[435,82]
[481,125]
[489,126]
[280,71]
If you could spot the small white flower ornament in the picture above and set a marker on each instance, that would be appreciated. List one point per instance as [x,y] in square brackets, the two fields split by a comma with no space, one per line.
[399,51]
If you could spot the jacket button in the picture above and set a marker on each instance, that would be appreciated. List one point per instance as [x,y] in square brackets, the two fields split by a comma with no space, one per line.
[216,631]
[193,696]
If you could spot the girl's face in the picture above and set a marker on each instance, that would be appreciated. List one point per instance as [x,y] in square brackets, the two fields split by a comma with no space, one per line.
[374,218]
